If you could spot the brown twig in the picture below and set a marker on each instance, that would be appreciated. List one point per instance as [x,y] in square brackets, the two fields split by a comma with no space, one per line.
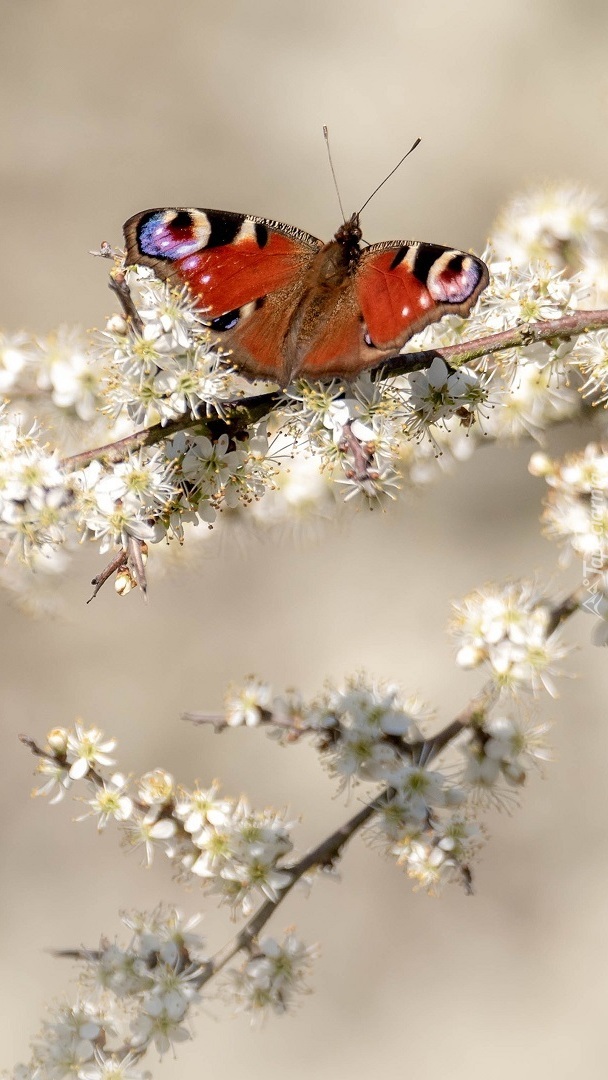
[519,337]
[361,455]
[560,612]
[239,415]
[472,713]
[323,855]
[100,579]
[118,285]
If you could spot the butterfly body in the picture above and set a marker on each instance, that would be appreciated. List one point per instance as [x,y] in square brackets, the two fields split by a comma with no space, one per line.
[284,304]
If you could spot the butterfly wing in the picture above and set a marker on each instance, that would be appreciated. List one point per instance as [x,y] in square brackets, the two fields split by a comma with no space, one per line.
[401,288]
[393,292]
[246,273]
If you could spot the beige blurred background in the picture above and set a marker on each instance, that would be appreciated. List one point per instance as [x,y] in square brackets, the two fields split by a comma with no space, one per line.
[111,106]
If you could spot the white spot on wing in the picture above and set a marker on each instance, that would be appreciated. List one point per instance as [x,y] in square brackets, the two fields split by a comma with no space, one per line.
[410,258]
[246,231]
[201,227]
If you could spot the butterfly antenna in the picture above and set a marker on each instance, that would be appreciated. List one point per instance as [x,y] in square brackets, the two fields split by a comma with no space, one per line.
[411,149]
[333,172]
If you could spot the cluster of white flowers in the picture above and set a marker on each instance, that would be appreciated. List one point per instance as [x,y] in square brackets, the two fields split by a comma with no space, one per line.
[367,733]
[132,999]
[434,857]
[425,818]
[168,366]
[508,631]
[502,747]
[272,977]
[113,504]
[576,514]
[140,997]
[34,501]
[351,430]
[57,380]
[563,225]
[66,370]
[536,292]
[15,353]
[360,430]
[423,814]
[590,355]
[576,508]
[58,367]
[235,851]
[151,492]
[363,731]
[218,475]
[522,390]
[145,496]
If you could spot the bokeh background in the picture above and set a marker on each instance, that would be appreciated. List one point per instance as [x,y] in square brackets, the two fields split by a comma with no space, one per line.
[111,106]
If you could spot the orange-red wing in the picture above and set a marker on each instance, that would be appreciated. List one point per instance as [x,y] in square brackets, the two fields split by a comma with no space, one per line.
[336,349]
[227,260]
[403,287]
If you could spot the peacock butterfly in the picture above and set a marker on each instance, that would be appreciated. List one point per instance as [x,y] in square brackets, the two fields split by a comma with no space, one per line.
[285,304]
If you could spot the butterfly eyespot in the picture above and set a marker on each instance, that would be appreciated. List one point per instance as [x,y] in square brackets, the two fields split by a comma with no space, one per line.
[225,322]
[453,277]
[181,221]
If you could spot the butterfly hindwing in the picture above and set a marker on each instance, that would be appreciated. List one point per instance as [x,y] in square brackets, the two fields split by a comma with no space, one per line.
[402,287]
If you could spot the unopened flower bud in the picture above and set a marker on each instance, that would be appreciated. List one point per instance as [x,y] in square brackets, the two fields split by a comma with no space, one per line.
[57,741]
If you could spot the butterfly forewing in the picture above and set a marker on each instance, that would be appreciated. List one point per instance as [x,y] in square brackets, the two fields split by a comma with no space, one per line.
[402,287]
[227,260]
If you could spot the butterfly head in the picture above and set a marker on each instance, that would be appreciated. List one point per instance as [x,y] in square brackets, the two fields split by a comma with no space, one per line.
[349,235]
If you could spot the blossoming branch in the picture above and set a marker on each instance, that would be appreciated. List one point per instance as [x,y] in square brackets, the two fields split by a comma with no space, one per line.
[148,431]
[154,433]
[429,793]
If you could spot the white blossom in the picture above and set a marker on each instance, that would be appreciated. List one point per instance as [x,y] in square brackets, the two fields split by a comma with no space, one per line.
[271,979]
[508,630]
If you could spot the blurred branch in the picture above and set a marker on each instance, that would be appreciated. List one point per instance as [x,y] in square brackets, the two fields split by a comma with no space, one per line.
[325,854]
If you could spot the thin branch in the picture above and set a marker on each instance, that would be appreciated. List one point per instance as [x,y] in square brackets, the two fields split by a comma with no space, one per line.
[242,413]
[328,850]
[575,600]
[519,337]
[118,285]
[325,854]
[474,711]
[104,575]
[293,728]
